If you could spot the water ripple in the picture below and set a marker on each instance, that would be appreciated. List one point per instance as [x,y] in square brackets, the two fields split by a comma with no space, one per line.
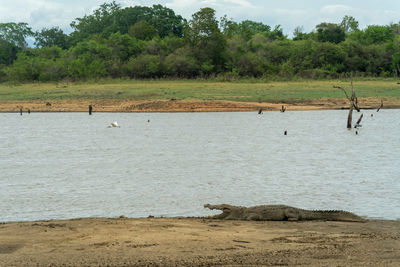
[68,165]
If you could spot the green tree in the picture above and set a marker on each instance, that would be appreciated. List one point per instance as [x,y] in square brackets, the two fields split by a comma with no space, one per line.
[182,63]
[228,27]
[38,64]
[236,48]
[248,29]
[395,28]
[298,34]
[110,18]
[166,22]
[375,34]
[206,40]
[143,30]
[89,59]
[349,24]
[12,40]
[101,21]
[8,52]
[163,19]
[250,64]
[330,32]
[171,44]
[15,33]
[51,37]
[124,46]
[144,66]
[396,63]
[276,33]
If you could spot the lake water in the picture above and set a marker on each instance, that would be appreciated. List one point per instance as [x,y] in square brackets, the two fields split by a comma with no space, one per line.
[70,165]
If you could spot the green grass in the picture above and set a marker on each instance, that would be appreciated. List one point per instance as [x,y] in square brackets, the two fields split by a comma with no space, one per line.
[198,90]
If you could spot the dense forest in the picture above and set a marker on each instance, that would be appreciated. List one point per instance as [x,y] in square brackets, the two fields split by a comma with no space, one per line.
[154,42]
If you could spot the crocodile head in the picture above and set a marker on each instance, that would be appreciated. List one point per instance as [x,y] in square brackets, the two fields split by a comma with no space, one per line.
[225,208]
[219,207]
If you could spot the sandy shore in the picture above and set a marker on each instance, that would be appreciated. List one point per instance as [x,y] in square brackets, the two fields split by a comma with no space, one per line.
[194,242]
[122,105]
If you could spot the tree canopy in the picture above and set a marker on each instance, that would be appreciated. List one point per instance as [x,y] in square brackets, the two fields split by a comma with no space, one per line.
[154,42]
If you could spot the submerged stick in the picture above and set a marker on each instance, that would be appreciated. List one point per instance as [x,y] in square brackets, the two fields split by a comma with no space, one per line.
[381,106]
[359,121]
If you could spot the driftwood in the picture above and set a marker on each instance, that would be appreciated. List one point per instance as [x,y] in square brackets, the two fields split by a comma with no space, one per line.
[353,103]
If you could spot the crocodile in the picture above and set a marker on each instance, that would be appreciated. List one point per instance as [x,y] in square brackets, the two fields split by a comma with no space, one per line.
[280,213]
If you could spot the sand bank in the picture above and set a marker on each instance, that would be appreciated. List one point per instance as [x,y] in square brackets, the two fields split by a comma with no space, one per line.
[194,242]
[121,105]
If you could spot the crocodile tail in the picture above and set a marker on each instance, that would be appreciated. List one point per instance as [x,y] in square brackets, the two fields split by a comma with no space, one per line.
[332,215]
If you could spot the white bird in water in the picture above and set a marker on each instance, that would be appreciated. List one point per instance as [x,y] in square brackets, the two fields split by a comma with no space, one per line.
[114,124]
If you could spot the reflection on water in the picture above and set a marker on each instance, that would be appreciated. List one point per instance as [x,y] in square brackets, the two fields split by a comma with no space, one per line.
[68,165]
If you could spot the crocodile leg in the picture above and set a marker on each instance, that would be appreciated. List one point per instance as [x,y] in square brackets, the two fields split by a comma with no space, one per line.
[253,217]
[292,214]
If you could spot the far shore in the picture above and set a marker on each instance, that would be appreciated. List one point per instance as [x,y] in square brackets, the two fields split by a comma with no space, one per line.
[173,105]
[196,95]
[198,242]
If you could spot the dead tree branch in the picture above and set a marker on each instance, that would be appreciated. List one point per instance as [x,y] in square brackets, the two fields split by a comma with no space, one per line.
[353,99]
[353,103]
[344,91]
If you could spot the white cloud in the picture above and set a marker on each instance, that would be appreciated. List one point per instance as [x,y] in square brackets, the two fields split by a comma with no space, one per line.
[188,7]
[242,3]
[288,13]
[180,4]
[41,13]
[210,2]
[333,9]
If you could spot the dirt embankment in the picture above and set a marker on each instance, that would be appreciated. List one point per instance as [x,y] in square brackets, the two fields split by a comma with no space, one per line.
[172,105]
[198,242]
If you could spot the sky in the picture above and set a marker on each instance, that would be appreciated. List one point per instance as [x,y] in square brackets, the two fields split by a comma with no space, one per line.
[287,13]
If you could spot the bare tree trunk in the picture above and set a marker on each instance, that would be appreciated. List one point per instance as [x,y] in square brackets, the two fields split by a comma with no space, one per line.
[354,99]
[350,117]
